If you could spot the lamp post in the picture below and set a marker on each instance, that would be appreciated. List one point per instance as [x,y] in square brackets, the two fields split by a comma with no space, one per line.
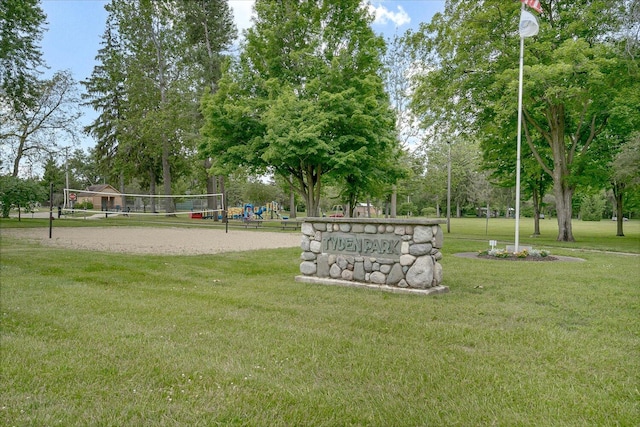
[449,188]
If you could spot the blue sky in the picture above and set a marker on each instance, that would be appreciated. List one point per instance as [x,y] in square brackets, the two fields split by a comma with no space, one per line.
[76,26]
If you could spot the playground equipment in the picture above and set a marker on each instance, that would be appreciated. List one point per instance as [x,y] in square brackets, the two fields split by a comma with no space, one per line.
[249,212]
[274,208]
[246,212]
[234,213]
[337,211]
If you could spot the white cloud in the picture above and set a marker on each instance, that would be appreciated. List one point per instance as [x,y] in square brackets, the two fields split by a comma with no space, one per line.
[383,15]
[242,13]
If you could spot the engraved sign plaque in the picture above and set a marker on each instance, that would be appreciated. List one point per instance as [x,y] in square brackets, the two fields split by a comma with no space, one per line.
[369,245]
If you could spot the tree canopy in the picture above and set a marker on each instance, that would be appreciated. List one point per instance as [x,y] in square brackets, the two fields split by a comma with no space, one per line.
[576,68]
[156,59]
[21,28]
[19,193]
[33,132]
[306,100]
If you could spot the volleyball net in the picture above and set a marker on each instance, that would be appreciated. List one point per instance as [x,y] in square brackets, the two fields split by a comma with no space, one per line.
[105,202]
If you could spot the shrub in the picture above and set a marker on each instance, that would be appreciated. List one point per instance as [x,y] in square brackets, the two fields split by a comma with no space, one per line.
[84,205]
[407,208]
[429,212]
[592,208]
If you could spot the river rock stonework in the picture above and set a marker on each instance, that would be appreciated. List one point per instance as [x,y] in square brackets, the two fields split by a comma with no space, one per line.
[399,255]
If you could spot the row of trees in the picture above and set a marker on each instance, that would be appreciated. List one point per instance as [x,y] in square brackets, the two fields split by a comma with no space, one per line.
[156,60]
[315,98]
[582,91]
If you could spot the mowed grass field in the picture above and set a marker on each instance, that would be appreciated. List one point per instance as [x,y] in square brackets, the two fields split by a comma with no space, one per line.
[106,339]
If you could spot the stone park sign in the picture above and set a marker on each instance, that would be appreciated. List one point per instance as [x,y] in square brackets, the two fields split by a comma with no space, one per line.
[376,245]
[398,255]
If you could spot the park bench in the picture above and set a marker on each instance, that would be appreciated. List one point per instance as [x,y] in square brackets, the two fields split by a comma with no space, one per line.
[290,224]
[252,223]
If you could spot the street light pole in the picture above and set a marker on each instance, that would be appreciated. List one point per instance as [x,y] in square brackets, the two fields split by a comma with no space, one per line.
[449,189]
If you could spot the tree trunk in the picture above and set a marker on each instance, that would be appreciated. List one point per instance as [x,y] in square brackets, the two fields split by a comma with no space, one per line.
[564,210]
[561,188]
[19,154]
[211,184]
[152,189]
[312,210]
[309,182]
[166,177]
[618,194]
[394,202]
[351,206]
[536,212]
[292,202]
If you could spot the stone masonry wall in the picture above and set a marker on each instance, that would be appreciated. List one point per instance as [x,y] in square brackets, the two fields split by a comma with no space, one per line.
[397,253]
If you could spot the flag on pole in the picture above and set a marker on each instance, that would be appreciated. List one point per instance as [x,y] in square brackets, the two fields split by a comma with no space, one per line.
[533,4]
[528,24]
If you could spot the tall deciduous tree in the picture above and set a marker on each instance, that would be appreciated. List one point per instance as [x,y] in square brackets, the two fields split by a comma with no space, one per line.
[306,98]
[573,75]
[35,131]
[625,176]
[21,28]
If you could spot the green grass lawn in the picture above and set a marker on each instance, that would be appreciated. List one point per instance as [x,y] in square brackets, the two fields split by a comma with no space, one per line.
[598,235]
[231,339]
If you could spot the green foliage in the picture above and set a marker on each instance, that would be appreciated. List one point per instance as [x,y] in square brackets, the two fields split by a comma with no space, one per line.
[19,193]
[307,106]
[592,207]
[156,60]
[53,174]
[626,165]
[407,208]
[260,193]
[83,205]
[575,77]
[429,212]
[21,27]
[105,93]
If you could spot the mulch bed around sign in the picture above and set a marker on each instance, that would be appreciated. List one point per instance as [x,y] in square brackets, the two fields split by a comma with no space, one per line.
[513,258]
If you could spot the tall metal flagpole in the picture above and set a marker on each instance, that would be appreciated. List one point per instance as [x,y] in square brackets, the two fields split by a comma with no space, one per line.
[517,242]
[517,213]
